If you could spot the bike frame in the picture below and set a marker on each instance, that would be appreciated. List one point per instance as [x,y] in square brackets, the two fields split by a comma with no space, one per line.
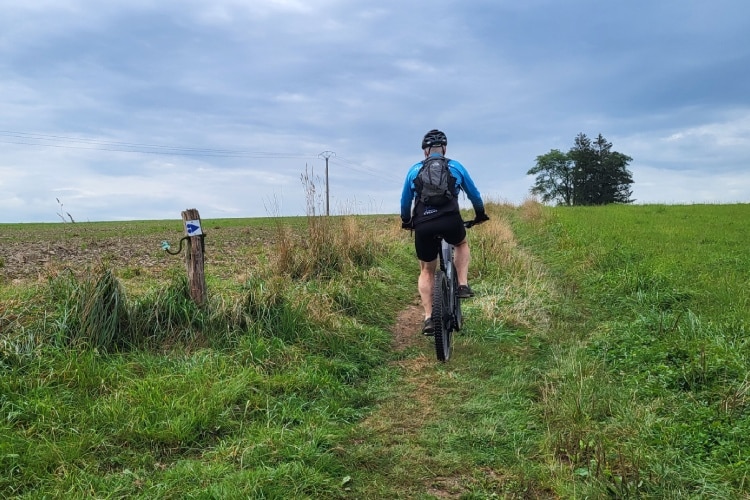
[449,268]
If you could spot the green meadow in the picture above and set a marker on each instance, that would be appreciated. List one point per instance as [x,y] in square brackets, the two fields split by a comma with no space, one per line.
[606,355]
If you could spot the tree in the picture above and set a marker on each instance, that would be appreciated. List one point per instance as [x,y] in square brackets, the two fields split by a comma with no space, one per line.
[554,181]
[589,174]
[614,178]
[584,170]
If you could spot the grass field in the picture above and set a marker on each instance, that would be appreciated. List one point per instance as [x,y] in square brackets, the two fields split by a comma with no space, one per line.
[660,295]
[605,355]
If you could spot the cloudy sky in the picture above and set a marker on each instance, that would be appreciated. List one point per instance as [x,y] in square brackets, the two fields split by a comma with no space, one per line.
[139,109]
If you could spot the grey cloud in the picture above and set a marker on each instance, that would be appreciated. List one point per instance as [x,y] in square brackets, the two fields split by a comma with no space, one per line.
[664,81]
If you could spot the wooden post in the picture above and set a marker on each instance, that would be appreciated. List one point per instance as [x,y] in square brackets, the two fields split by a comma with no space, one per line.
[194,255]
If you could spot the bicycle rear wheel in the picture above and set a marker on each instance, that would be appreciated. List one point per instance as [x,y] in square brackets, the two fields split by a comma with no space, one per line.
[441,317]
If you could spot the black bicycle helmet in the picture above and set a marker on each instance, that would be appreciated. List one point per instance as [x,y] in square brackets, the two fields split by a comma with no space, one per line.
[434,138]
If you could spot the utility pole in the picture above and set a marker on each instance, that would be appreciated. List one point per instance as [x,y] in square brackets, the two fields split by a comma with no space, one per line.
[326,155]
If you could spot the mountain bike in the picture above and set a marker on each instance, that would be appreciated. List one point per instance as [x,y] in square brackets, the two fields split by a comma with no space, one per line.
[446,306]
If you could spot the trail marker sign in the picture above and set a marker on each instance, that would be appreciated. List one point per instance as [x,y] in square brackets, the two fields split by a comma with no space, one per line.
[193,228]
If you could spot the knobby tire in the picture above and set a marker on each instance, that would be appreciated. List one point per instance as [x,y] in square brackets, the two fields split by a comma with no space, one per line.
[441,317]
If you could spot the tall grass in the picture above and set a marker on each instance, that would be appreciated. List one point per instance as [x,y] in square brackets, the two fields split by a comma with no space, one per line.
[330,245]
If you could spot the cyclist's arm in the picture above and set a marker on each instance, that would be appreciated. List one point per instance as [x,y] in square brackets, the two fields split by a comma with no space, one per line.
[407,196]
[466,184]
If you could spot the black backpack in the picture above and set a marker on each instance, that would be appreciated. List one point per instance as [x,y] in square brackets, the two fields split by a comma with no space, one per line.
[434,183]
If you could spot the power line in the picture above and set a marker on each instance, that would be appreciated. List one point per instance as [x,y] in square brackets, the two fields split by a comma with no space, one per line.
[89,144]
[66,142]
[239,154]
[359,167]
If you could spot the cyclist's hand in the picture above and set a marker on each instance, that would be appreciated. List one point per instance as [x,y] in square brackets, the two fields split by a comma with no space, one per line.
[480,217]
[406,225]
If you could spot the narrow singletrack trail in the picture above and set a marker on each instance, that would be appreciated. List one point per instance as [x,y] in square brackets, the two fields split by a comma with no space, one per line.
[400,419]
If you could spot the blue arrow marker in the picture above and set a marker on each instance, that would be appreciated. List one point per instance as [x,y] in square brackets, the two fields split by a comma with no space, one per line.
[192,228]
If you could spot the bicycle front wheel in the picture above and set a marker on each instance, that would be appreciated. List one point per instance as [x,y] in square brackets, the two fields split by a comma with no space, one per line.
[441,317]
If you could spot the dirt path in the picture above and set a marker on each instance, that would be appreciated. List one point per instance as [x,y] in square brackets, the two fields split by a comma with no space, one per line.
[406,331]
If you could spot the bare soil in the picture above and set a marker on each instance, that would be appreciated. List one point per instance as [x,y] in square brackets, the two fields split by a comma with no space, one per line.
[33,254]
[22,261]
[407,332]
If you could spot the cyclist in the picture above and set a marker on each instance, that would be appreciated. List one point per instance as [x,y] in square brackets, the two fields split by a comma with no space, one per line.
[445,220]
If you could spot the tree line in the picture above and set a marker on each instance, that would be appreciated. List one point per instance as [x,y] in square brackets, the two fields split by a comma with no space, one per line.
[590,173]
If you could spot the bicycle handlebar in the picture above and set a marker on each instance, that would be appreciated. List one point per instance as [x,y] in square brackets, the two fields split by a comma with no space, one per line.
[467,224]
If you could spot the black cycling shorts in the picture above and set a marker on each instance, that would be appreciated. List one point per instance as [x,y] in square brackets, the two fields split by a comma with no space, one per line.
[450,227]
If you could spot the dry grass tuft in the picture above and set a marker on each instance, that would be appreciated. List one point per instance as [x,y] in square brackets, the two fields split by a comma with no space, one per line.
[521,290]
[532,211]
